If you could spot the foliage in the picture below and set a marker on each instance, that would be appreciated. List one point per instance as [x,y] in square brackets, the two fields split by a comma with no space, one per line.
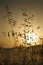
[24,56]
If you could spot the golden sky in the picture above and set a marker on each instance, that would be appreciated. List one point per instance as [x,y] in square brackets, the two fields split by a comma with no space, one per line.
[34,7]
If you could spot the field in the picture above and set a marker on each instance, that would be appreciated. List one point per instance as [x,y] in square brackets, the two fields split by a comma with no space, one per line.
[22,55]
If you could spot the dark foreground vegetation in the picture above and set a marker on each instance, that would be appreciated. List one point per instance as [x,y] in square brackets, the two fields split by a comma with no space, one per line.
[22,56]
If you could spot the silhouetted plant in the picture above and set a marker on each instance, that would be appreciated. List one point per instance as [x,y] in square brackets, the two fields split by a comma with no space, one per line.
[8,34]
[28,22]
[4,34]
[11,21]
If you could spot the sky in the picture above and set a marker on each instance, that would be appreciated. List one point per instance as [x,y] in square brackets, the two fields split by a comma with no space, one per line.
[34,7]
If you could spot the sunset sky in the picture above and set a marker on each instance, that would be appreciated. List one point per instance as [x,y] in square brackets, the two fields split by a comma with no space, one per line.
[34,7]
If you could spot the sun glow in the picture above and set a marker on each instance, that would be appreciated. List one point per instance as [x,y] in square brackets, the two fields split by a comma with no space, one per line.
[31,38]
